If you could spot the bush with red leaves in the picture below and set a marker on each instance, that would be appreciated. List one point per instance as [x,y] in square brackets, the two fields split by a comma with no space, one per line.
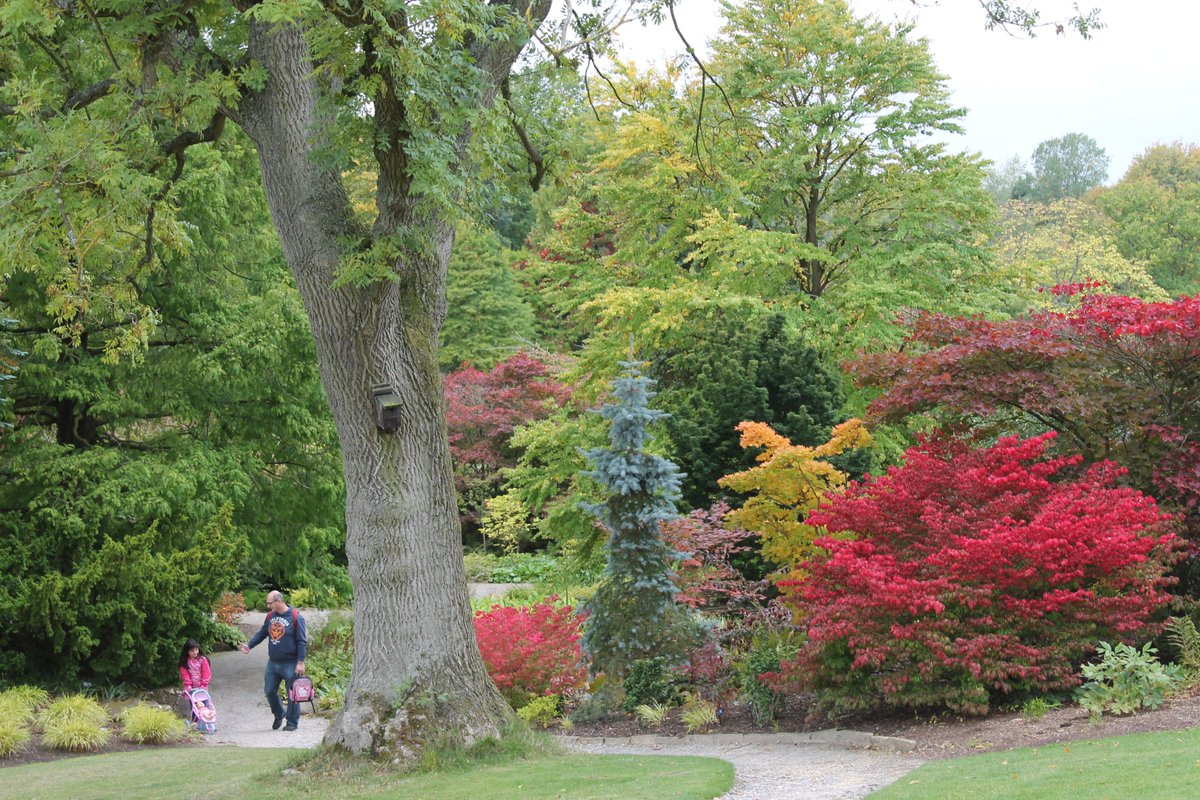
[531,650]
[976,574]
[706,578]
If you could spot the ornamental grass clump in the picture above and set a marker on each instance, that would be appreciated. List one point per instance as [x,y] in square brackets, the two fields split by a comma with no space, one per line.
[14,710]
[652,714]
[143,724]
[24,698]
[13,737]
[698,715]
[75,735]
[72,708]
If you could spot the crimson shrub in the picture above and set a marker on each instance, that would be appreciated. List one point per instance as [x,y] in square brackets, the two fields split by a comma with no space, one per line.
[531,650]
[976,573]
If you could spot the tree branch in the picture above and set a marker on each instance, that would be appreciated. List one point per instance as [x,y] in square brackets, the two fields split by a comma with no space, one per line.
[85,97]
[103,38]
[535,155]
[705,77]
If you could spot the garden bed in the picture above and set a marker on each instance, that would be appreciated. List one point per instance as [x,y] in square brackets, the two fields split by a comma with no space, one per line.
[941,736]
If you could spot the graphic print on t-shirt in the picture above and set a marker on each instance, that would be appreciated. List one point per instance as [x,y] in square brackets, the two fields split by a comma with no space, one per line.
[277,629]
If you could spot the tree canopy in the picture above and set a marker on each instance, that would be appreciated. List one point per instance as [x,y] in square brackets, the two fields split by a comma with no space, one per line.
[1156,211]
[1067,166]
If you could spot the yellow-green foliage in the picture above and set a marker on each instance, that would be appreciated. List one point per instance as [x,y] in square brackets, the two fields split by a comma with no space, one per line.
[300,598]
[1067,241]
[149,724]
[13,737]
[505,522]
[14,710]
[698,715]
[75,735]
[33,697]
[540,711]
[789,481]
[652,714]
[72,708]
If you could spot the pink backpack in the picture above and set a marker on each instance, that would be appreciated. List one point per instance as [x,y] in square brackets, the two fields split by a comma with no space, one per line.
[302,691]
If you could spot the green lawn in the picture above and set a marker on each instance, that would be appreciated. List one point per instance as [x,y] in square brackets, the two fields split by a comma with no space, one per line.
[1146,766]
[227,772]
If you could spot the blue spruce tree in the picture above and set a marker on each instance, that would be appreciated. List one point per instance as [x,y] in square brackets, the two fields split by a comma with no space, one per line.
[633,614]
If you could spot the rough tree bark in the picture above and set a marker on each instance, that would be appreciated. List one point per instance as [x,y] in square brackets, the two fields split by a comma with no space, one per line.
[417,671]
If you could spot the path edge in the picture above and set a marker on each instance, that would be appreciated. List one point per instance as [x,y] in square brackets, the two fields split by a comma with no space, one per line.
[832,737]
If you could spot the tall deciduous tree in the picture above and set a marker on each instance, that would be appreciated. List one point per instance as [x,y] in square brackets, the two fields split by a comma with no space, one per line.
[828,113]
[807,184]
[102,108]
[1156,209]
[1068,166]
[1042,245]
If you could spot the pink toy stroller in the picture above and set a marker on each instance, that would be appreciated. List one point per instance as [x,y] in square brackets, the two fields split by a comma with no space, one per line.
[202,714]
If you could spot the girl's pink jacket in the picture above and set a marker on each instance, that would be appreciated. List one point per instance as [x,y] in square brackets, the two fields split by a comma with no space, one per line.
[205,675]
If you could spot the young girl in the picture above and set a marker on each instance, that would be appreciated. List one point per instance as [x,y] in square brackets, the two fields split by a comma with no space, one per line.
[193,667]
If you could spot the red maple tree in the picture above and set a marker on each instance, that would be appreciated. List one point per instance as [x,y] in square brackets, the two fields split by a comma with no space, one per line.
[976,573]
[706,577]
[1117,377]
[482,410]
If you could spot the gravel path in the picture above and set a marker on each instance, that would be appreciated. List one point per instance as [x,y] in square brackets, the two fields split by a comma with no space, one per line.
[767,767]
[243,716]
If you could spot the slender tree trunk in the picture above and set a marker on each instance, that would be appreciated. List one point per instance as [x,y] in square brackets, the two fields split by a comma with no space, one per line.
[417,671]
[814,269]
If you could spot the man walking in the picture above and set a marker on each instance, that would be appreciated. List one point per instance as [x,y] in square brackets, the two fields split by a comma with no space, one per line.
[287,642]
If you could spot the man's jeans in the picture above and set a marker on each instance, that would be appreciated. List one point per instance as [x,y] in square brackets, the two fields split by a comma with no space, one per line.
[275,672]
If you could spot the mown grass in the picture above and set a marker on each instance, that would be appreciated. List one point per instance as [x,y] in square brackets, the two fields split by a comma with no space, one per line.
[209,773]
[1146,766]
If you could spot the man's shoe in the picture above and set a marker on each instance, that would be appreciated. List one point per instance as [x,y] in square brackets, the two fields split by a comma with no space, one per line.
[275,725]
[290,726]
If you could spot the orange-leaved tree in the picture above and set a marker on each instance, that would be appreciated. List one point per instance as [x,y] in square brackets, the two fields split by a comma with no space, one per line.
[789,482]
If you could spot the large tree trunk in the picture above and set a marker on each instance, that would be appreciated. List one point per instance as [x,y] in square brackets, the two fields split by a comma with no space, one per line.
[417,670]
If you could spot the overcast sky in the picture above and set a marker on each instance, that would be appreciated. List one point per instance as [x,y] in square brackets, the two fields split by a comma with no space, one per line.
[1134,83]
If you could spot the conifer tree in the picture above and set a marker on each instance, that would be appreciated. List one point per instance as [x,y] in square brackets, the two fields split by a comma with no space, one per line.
[633,614]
